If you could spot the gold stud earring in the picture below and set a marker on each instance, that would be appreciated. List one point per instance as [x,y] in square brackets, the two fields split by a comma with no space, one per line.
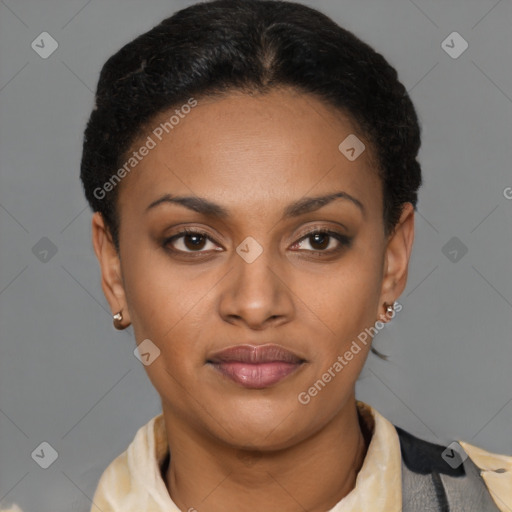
[118,317]
[390,309]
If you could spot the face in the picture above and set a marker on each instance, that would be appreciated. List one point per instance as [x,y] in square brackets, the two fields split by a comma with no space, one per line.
[250,269]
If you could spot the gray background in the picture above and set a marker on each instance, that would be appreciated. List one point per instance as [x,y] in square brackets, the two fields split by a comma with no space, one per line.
[68,378]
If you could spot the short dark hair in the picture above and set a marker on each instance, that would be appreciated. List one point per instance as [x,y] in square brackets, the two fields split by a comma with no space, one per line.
[250,46]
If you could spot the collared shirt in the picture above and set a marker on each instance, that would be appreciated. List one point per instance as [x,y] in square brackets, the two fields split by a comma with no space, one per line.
[133,481]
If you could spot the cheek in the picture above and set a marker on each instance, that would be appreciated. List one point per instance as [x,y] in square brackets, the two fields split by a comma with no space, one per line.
[166,306]
[348,310]
[154,295]
[164,309]
[343,300]
[152,285]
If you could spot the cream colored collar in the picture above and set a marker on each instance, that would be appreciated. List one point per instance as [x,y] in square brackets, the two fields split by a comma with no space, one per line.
[133,481]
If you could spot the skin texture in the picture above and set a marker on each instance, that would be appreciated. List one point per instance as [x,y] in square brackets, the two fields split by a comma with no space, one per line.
[255,449]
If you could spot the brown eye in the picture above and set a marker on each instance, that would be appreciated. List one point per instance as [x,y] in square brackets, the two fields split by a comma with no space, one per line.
[188,241]
[321,239]
[194,241]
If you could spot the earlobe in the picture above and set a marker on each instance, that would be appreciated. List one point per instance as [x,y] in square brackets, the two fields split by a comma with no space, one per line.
[398,251]
[110,266]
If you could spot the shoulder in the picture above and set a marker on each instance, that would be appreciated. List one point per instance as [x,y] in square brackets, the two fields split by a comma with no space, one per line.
[132,481]
[13,508]
[457,473]
[496,471]
[421,456]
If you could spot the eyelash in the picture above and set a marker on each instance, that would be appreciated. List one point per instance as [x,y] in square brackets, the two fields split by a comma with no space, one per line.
[344,240]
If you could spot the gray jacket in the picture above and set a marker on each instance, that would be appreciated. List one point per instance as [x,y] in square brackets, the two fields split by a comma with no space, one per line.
[430,484]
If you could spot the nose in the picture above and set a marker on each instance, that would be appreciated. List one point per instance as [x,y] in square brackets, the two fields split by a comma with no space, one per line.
[257,293]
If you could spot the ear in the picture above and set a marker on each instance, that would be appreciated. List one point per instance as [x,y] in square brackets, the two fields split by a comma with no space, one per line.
[396,259]
[110,264]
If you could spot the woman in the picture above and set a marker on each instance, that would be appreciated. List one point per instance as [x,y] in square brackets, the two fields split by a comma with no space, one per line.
[253,171]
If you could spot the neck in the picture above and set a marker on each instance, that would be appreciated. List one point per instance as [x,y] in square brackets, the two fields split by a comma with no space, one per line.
[312,475]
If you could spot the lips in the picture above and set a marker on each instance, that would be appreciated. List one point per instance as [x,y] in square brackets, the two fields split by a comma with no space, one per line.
[255,367]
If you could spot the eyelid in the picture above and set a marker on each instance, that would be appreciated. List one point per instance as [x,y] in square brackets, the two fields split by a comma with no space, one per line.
[324,229]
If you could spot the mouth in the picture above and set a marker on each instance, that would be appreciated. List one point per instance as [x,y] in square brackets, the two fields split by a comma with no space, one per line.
[255,367]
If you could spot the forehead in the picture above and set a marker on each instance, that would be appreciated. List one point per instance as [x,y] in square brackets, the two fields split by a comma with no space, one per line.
[248,150]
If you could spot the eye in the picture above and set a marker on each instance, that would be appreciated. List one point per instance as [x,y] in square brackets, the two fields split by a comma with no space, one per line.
[321,241]
[193,241]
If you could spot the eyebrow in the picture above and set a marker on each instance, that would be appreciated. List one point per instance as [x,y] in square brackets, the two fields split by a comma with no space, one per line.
[300,207]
